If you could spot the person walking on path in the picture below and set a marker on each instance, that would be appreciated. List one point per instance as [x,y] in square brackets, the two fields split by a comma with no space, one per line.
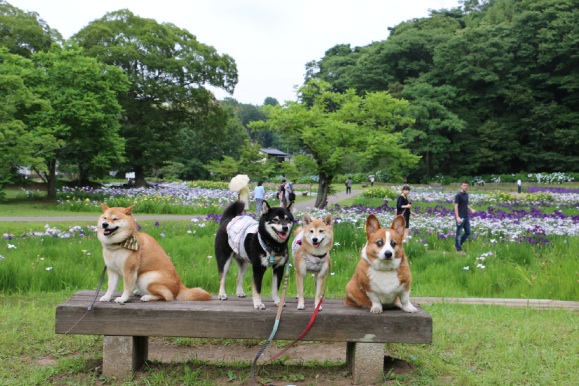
[461,214]
[259,195]
[349,186]
[519,186]
[403,207]
[290,195]
[281,193]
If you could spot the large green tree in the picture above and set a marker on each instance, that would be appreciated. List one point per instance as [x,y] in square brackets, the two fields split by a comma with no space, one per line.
[85,112]
[24,33]
[19,147]
[330,126]
[169,71]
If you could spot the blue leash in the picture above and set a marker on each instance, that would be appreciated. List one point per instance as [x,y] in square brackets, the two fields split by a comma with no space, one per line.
[275,325]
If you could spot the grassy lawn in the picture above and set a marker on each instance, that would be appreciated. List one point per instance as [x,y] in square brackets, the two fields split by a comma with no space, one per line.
[472,345]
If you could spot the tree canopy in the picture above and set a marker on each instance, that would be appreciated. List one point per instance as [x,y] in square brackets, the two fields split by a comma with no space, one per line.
[328,126]
[169,71]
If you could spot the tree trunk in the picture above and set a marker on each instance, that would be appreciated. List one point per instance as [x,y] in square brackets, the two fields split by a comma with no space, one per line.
[140,176]
[83,177]
[323,188]
[51,180]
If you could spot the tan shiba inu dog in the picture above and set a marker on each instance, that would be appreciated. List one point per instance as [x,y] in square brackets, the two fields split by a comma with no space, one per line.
[382,276]
[311,254]
[140,260]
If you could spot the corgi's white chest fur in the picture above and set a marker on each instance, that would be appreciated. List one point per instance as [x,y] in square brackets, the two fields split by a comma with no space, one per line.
[385,285]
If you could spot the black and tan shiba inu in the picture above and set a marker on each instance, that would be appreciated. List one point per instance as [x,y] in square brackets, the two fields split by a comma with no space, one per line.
[260,243]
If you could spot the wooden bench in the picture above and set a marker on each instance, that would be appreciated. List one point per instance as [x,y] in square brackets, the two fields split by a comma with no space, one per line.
[126,328]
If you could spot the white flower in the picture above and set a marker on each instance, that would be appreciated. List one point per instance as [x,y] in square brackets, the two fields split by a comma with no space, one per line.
[189,232]
[210,257]
[1,257]
[162,235]
[480,266]
[466,268]
[49,268]
[11,246]
[194,220]
[333,273]
[336,244]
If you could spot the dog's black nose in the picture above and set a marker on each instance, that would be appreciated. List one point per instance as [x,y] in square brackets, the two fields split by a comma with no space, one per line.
[105,225]
[284,228]
[315,240]
[388,255]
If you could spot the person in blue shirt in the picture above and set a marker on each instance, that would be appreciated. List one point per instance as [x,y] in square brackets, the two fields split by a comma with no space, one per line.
[462,210]
[259,195]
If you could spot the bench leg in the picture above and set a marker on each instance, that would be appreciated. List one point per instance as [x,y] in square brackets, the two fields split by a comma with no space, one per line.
[124,354]
[365,361]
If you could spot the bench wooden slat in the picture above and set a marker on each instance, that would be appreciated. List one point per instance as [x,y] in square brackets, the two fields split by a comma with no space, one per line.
[236,318]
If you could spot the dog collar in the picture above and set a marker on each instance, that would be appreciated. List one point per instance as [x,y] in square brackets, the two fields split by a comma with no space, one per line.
[131,243]
[320,256]
[271,254]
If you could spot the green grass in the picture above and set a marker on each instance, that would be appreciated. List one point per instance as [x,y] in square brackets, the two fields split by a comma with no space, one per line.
[472,345]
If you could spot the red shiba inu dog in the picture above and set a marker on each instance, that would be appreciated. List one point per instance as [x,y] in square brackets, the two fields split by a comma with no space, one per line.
[311,254]
[140,260]
[382,276]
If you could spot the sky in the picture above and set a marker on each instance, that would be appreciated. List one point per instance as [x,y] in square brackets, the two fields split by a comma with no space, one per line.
[270,40]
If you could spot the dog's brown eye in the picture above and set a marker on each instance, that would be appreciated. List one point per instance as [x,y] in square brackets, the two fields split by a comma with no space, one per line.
[379,243]
[393,243]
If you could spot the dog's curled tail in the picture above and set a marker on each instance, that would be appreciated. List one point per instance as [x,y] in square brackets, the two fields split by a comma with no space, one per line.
[193,294]
[234,209]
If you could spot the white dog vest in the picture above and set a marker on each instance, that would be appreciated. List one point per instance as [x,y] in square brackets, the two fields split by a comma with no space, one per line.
[237,231]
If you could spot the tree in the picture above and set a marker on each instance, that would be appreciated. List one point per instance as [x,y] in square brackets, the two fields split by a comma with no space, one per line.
[169,71]
[85,112]
[331,125]
[24,33]
[19,147]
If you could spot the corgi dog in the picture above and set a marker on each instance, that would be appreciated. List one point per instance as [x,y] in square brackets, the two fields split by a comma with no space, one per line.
[382,276]
[139,260]
[311,253]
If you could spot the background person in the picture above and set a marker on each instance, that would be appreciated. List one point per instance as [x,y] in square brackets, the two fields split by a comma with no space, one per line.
[348,185]
[519,185]
[258,195]
[290,195]
[281,193]
[403,207]
[461,214]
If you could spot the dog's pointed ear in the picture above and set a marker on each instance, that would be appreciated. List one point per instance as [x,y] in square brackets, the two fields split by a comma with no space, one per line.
[104,206]
[328,219]
[129,210]
[306,219]
[399,224]
[265,207]
[372,225]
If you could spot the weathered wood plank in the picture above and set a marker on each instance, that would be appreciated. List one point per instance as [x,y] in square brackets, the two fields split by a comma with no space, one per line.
[236,318]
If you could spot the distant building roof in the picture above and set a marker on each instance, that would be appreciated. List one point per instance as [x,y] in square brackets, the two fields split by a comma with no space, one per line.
[275,152]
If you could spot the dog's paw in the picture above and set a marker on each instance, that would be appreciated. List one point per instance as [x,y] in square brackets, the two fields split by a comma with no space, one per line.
[222,297]
[301,306]
[121,300]
[241,294]
[147,298]
[408,307]
[259,306]
[137,293]
[376,309]
[105,298]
